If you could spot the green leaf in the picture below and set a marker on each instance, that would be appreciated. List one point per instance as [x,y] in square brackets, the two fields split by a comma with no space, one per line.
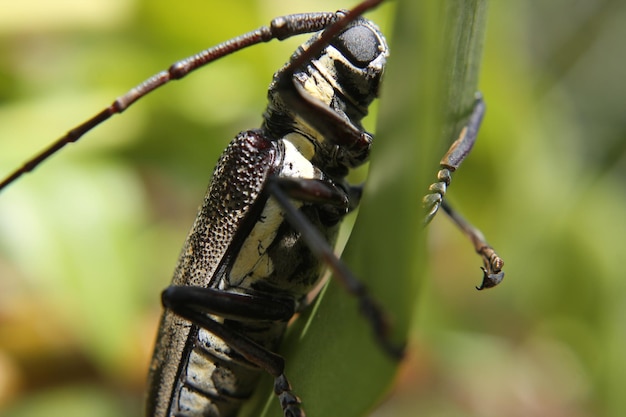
[333,362]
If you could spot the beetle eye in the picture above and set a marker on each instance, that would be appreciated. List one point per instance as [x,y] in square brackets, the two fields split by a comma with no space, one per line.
[359,45]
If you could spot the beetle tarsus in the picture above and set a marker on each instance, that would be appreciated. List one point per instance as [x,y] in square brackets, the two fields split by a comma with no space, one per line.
[289,402]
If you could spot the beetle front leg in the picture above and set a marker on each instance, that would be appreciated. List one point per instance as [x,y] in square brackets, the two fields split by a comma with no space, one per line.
[492,270]
[452,160]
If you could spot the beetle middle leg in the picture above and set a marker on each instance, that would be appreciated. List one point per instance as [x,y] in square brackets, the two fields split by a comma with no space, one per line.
[492,269]
[282,189]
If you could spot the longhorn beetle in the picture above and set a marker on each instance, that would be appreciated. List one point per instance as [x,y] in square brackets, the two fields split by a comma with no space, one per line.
[270,217]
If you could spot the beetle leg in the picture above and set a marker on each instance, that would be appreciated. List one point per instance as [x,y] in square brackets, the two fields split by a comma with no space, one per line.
[228,305]
[492,270]
[311,191]
[253,352]
[317,191]
[373,313]
[452,159]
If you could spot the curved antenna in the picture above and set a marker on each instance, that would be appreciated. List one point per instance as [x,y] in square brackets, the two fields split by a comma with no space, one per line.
[280,28]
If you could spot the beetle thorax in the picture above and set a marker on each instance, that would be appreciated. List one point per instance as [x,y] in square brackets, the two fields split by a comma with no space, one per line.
[343,80]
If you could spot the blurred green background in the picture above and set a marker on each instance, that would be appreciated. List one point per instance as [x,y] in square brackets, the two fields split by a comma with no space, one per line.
[89,240]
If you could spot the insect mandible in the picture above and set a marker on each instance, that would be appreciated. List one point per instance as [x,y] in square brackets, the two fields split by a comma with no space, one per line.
[314,132]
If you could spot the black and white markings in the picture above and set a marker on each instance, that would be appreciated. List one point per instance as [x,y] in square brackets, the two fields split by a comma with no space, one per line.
[268,222]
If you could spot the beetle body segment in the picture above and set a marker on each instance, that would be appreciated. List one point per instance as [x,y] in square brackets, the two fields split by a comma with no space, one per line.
[242,243]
